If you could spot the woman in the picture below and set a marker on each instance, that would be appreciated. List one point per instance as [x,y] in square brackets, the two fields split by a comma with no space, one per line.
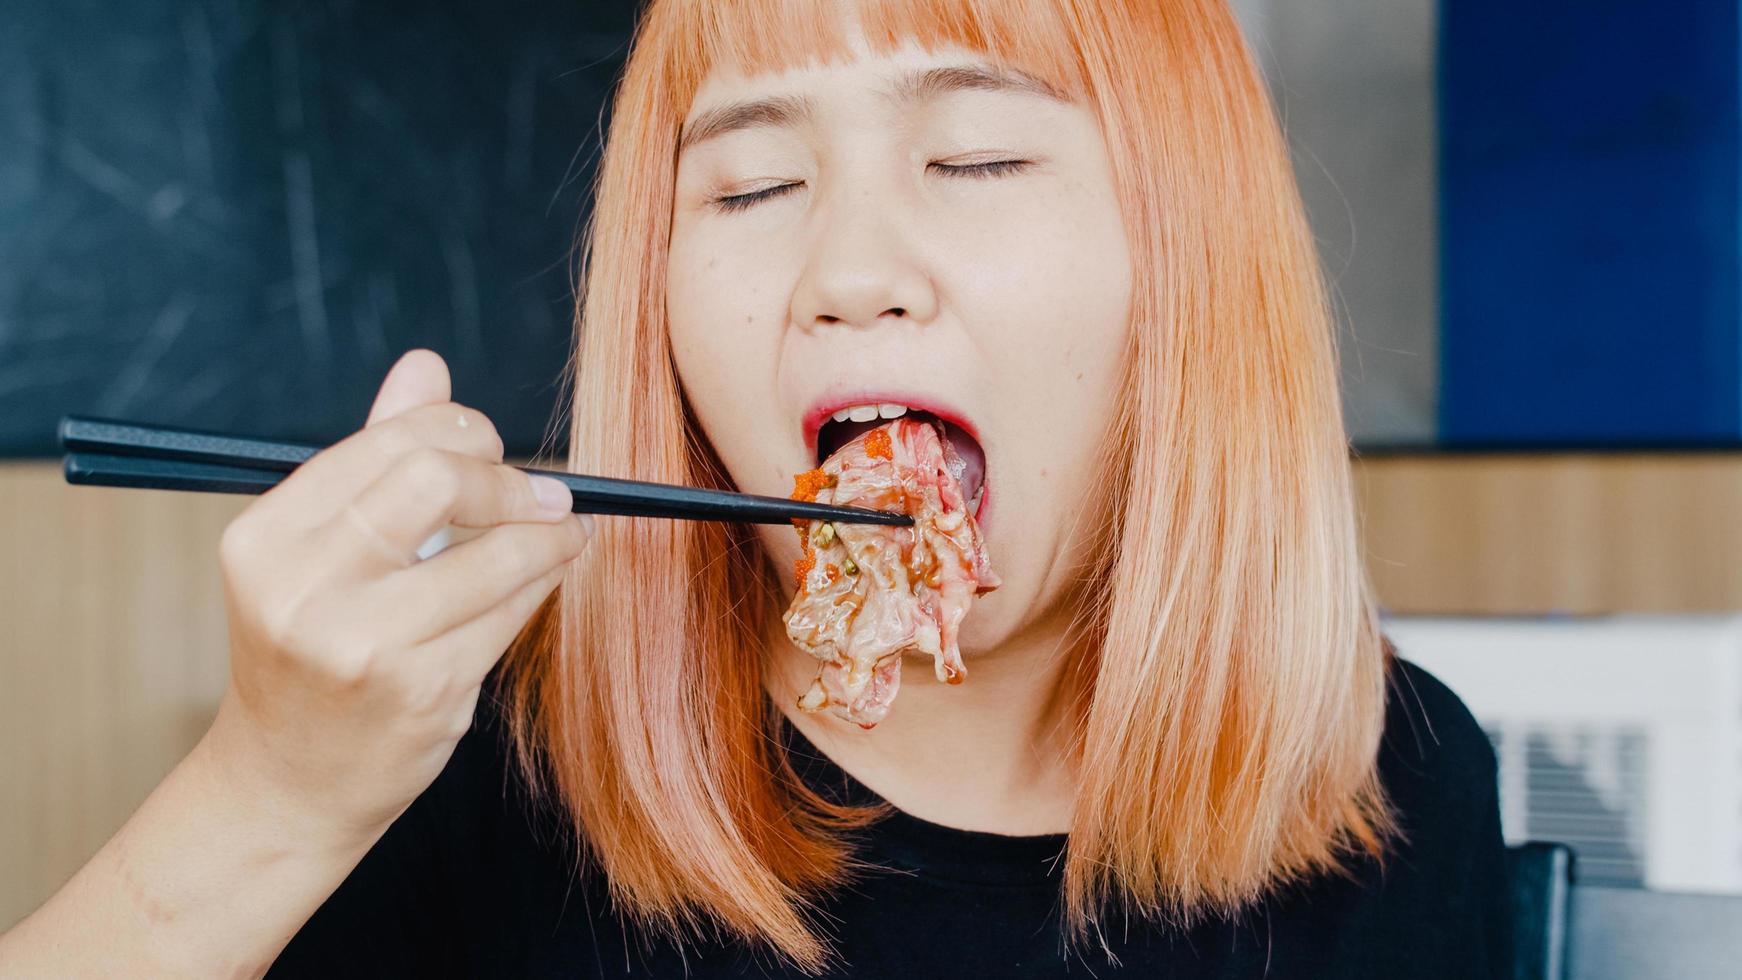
[1183,748]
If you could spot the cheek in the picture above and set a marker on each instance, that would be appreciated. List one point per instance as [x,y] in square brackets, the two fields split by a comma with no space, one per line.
[780,542]
[724,339]
[1055,336]
[701,308]
[1050,275]
[1058,336]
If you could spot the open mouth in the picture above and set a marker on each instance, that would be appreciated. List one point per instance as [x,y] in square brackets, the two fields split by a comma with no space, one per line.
[847,424]
[866,595]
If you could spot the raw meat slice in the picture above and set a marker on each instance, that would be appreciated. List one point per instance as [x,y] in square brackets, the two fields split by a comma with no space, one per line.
[866,593]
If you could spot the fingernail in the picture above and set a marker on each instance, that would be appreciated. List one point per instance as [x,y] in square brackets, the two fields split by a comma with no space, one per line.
[586,523]
[552,494]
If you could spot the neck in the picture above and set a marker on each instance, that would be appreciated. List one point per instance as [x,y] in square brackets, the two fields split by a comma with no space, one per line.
[989,754]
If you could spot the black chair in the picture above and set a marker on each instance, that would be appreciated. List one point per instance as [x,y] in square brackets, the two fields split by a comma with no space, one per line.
[1632,933]
[1593,932]
[1542,884]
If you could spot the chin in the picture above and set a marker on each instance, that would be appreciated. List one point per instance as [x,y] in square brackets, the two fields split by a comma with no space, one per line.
[993,621]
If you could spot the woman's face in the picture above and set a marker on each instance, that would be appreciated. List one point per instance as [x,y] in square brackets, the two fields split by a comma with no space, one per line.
[878,235]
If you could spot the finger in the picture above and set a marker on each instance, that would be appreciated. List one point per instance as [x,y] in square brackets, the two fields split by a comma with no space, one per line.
[315,492]
[474,647]
[469,579]
[427,489]
[419,377]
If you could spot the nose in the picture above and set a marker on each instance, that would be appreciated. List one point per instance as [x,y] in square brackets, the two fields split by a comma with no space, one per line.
[863,270]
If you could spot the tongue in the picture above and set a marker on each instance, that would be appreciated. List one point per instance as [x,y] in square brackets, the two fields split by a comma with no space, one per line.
[973,459]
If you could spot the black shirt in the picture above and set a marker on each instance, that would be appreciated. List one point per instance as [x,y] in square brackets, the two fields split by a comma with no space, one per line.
[472,881]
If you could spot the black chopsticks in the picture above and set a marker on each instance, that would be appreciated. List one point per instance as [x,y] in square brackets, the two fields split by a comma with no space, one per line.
[116,453]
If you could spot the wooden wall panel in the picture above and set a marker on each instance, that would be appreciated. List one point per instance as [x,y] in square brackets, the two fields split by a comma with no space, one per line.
[1565,533]
[113,661]
[114,649]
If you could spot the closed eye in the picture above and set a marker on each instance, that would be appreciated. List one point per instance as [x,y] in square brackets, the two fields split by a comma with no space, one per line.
[994,168]
[741,201]
[988,169]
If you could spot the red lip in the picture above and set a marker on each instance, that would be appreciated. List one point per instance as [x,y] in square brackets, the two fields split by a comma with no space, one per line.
[827,405]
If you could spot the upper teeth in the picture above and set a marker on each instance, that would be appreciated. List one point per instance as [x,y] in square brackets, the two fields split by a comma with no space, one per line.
[865,413]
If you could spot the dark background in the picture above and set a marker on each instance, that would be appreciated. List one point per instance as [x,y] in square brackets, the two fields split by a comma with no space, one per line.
[236,215]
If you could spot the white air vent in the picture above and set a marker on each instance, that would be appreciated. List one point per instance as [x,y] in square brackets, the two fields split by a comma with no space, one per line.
[1618,735]
[1584,786]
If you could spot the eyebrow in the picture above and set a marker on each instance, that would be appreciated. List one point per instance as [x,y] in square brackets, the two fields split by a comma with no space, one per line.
[915,87]
[925,84]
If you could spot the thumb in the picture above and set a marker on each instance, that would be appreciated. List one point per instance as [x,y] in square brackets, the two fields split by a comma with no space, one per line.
[419,377]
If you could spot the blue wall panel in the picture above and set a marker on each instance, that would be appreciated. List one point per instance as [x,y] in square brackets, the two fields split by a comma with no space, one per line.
[1589,162]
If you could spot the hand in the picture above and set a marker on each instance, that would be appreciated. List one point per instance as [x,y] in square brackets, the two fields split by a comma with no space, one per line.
[355,667]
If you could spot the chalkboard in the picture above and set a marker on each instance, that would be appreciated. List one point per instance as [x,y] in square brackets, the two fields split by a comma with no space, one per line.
[236,215]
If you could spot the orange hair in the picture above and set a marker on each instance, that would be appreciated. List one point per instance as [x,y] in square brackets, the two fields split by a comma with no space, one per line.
[1229,697]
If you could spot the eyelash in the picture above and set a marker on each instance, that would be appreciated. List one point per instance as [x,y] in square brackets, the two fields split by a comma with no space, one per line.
[994,168]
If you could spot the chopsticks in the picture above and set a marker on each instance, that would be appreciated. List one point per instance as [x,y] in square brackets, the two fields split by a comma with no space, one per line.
[116,453]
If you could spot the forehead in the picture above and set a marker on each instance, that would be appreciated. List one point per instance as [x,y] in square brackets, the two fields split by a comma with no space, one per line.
[731,99]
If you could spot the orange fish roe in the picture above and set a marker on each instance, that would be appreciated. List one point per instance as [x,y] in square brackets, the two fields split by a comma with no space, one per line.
[877,445]
[805,485]
[802,568]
